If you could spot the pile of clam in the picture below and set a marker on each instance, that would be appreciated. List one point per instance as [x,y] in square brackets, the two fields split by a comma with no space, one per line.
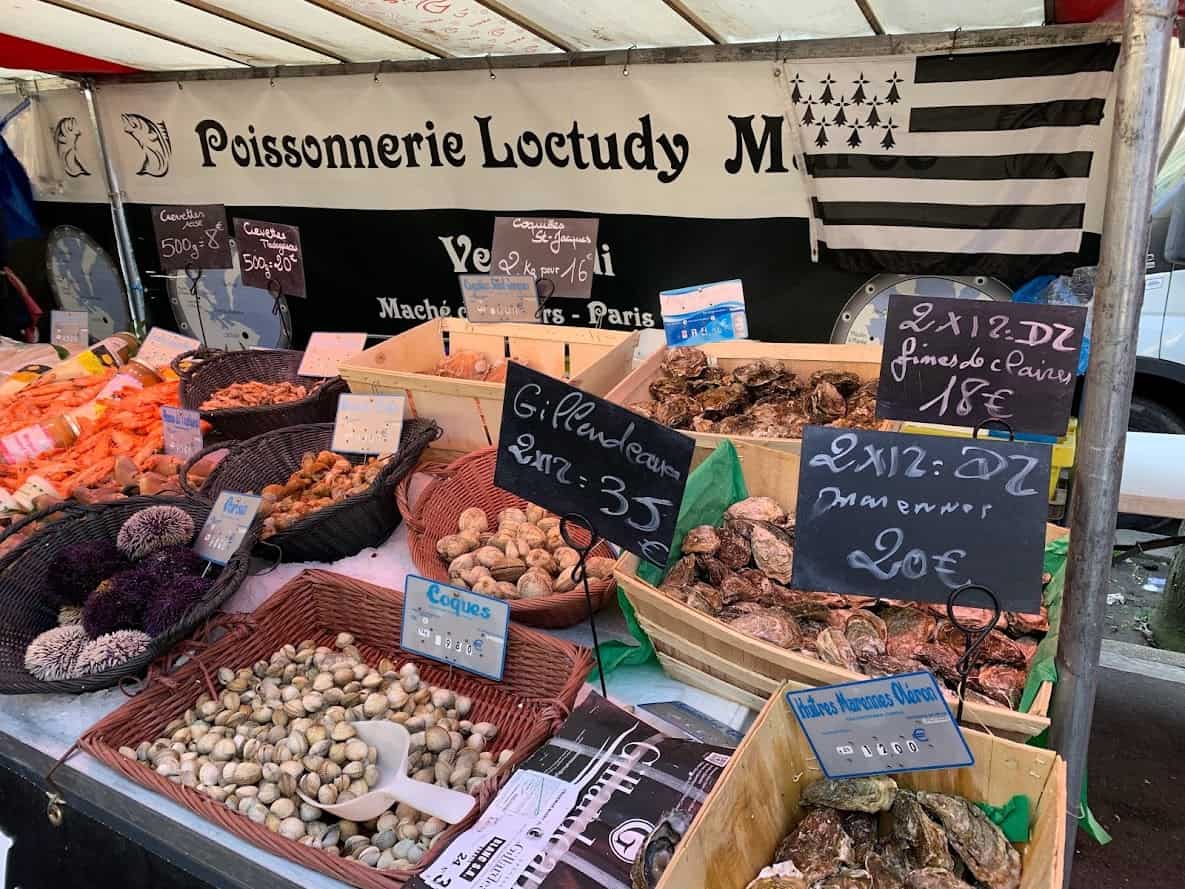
[284,727]
[524,558]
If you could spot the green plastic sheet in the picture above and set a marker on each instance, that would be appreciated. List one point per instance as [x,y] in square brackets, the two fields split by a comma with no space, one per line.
[1012,817]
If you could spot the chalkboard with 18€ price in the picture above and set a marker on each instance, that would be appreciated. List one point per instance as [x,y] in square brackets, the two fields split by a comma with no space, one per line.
[571,452]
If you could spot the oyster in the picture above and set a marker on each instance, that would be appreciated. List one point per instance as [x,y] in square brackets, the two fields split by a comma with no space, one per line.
[783,875]
[657,850]
[942,660]
[734,551]
[676,411]
[866,634]
[663,388]
[833,647]
[838,618]
[723,401]
[1000,683]
[758,373]
[925,840]
[702,424]
[862,828]
[785,384]
[740,424]
[971,618]
[858,602]
[684,361]
[982,846]
[710,376]
[995,649]
[701,539]
[682,572]
[847,879]
[770,626]
[759,509]
[1028,645]
[818,846]
[933,878]
[845,382]
[888,665]
[643,408]
[704,597]
[892,855]
[872,794]
[883,875]
[736,589]
[759,580]
[906,629]
[772,552]
[713,570]
[1024,624]
[824,404]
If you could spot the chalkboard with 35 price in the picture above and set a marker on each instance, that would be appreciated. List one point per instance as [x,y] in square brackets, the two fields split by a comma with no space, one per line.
[571,452]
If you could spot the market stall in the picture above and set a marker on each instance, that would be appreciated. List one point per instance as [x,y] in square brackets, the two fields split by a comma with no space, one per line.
[313,577]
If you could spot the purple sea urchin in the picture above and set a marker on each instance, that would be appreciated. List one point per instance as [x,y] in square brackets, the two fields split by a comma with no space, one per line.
[154,529]
[118,603]
[54,654]
[111,650]
[174,561]
[80,567]
[175,598]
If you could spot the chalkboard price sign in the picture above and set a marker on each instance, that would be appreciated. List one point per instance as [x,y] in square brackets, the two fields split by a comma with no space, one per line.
[965,362]
[270,252]
[572,452]
[562,251]
[192,235]
[918,516]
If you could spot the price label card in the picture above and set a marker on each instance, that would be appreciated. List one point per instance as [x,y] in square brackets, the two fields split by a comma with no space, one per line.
[880,726]
[572,452]
[326,351]
[918,516]
[162,346]
[708,313]
[270,251]
[368,424]
[69,328]
[455,626]
[495,298]
[182,430]
[226,526]
[562,251]
[192,235]
[964,362]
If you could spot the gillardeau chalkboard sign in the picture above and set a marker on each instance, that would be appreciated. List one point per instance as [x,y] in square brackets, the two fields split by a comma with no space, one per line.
[547,248]
[917,516]
[269,256]
[964,362]
[572,452]
[192,235]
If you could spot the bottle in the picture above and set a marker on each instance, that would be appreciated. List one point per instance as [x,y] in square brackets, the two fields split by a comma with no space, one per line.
[132,375]
[25,444]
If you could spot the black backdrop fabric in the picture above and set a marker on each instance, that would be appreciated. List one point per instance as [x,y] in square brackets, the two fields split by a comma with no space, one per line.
[355,258]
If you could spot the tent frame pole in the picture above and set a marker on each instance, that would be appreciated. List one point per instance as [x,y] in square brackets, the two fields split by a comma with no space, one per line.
[1118,298]
[123,237]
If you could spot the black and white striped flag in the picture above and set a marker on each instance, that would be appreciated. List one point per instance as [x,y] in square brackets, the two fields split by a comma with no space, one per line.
[967,164]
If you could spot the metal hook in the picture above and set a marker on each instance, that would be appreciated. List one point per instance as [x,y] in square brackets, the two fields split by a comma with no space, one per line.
[544,290]
[954,37]
[580,575]
[625,72]
[973,636]
[490,67]
[777,52]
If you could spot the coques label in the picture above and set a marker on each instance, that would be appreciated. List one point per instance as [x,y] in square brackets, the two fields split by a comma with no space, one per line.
[572,452]
[918,516]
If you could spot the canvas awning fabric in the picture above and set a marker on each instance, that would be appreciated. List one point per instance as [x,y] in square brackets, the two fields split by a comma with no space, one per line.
[110,36]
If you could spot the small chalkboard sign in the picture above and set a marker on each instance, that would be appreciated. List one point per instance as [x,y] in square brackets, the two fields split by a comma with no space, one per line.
[918,516]
[269,256]
[965,362]
[192,235]
[572,452]
[562,251]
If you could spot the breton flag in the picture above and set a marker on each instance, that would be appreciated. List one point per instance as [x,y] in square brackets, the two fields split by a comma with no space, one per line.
[967,164]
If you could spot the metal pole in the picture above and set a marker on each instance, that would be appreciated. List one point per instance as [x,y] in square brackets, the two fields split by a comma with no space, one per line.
[123,238]
[1147,29]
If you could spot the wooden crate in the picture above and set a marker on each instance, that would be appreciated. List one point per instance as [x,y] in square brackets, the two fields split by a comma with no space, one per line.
[470,411]
[803,359]
[702,651]
[756,802]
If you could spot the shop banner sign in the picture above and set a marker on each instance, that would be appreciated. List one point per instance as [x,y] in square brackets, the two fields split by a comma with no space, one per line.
[500,298]
[880,726]
[918,516]
[192,237]
[572,452]
[968,362]
[455,626]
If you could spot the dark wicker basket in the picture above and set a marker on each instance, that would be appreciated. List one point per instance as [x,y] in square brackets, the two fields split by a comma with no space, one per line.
[217,370]
[336,531]
[22,587]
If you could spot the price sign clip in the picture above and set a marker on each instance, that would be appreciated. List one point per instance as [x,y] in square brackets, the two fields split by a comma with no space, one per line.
[580,576]
[973,636]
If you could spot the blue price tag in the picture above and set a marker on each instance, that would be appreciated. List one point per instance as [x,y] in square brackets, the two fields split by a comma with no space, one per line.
[880,726]
[455,626]
[182,431]
[226,526]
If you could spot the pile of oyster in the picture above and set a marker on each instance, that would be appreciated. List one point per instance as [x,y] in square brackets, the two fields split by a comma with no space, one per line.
[927,841]
[763,398]
[739,573]
[284,727]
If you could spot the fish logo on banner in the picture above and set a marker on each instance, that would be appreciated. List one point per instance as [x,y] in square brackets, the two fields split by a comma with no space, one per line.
[960,164]
[66,133]
[153,139]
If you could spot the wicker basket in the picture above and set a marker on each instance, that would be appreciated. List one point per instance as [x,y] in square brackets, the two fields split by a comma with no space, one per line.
[22,586]
[201,379]
[542,678]
[336,531]
[467,482]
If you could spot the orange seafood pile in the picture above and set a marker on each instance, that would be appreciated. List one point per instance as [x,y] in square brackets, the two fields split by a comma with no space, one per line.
[254,393]
[44,399]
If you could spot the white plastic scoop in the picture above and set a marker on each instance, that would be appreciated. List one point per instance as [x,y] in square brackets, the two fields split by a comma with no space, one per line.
[392,741]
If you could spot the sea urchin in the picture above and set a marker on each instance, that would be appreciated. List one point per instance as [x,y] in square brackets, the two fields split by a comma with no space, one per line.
[78,568]
[118,603]
[175,598]
[54,654]
[111,650]
[153,529]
